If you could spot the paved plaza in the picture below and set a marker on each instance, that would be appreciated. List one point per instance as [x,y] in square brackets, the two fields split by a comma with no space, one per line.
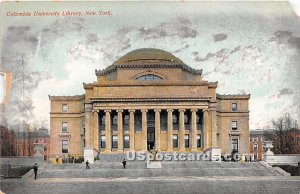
[173,177]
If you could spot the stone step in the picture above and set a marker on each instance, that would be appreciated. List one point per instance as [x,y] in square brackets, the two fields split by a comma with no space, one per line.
[182,172]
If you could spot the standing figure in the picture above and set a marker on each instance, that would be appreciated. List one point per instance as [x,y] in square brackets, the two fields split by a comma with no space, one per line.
[35,169]
[124,163]
[87,165]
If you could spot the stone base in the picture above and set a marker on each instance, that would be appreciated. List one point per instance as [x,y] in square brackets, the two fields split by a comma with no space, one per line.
[154,164]
[88,154]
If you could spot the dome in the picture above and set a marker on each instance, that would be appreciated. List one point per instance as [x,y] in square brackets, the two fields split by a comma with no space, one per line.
[146,55]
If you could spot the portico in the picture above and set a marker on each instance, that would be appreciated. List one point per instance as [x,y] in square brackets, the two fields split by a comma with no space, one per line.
[155,130]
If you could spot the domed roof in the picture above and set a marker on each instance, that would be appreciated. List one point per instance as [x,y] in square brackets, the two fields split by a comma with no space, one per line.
[145,55]
[148,58]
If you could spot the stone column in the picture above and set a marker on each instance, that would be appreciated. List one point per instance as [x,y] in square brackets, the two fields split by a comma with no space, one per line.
[120,130]
[88,127]
[157,129]
[108,130]
[96,129]
[170,130]
[144,129]
[194,130]
[181,130]
[213,128]
[205,130]
[131,129]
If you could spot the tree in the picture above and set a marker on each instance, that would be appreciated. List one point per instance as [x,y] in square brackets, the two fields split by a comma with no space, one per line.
[282,138]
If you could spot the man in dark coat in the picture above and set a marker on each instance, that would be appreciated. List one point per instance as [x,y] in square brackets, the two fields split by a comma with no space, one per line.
[35,169]
[124,163]
[87,165]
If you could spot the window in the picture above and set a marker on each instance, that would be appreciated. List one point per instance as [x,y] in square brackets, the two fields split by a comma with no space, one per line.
[64,108]
[65,146]
[103,119]
[198,141]
[234,107]
[64,127]
[255,147]
[235,144]
[45,149]
[187,141]
[149,77]
[174,119]
[115,120]
[186,119]
[115,141]
[233,125]
[198,120]
[175,141]
[103,141]
[126,120]
[126,141]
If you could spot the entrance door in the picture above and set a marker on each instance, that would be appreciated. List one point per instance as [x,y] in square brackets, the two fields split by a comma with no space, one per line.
[150,130]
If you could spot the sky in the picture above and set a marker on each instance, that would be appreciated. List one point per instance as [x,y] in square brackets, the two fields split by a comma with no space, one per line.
[248,47]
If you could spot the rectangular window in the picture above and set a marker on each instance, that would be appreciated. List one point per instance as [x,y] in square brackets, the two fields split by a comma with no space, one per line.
[175,141]
[64,127]
[103,141]
[103,119]
[255,147]
[115,141]
[186,119]
[126,141]
[187,141]
[198,141]
[174,119]
[65,146]
[234,107]
[126,120]
[64,107]
[115,120]
[235,144]
[234,125]
[198,120]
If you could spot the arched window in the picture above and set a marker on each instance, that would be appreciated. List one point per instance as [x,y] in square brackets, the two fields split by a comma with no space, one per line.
[149,77]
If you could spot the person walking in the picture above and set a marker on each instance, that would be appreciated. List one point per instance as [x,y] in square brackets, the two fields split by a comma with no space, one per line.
[124,163]
[35,169]
[87,165]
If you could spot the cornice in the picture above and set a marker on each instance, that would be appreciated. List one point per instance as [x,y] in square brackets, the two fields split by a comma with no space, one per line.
[233,96]
[145,65]
[75,97]
[96,99]
[149,83]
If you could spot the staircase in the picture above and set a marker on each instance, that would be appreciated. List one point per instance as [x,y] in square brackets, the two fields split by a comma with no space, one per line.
[110,166]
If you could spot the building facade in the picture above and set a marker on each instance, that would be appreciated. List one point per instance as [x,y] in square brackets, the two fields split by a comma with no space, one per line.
[148,99]
[257,142]
[33,143]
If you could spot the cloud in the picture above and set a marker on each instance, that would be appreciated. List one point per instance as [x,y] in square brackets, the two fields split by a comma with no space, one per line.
[292,67]
[284,92]
[182,48]
[220,37]
[181,28]
[17,52]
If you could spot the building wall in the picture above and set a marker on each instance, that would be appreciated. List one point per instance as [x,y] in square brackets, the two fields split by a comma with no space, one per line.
[259,141]
[75,120]
[226,116]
